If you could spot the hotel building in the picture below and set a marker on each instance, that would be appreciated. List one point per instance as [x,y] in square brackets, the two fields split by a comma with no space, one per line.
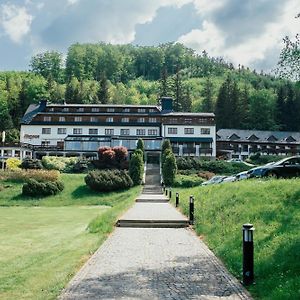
[80,129]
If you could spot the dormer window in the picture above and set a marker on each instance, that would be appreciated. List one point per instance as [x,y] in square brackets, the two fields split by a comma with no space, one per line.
[141,110]
[47,119]
[109,120]
[65,109]
[290,139]
[253,137]
[95,109]
[234,137]
[125,120]
[152,110]
[141,120]
[126,110]
[110,109]
[80,109]
[272,138]
[51,109]
[77,119]
[93,119]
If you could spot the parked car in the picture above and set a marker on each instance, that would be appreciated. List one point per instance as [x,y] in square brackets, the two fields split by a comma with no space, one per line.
[229,179]
[286,168]
[242,175]
[238,160]
[256,172]
[214,180]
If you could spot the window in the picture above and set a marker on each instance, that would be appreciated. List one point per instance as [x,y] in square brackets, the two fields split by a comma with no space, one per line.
[95,109]
[77,119]
[51,109]
[46,130]
[109,119]
[124,132]
[45,143]
[152,120]
[205,130]
[77,130]
[141,132]
[109,132]
[152,131]
[93,119]
[172,130]
[80,109]
[173,121]
[110,109]
[141,120]
[126,109]
[141,110]
[125,120]
[47,119]
[62,119]
[65,109]
[152,110]
[93,131]
[188,121]
[188,130]
[61,130]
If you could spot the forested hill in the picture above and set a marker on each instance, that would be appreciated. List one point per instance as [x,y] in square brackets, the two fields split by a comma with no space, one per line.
[104,73]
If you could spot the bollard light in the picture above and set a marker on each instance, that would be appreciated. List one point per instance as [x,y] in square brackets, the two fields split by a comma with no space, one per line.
[170,193]
[164,187]
[177,200]
[248,254]
[192,210]
[166,192]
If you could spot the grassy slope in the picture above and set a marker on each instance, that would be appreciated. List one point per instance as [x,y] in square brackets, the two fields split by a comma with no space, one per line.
[42,247]
[274,209]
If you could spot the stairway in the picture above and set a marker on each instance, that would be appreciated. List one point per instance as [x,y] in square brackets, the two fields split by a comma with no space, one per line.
[152,209]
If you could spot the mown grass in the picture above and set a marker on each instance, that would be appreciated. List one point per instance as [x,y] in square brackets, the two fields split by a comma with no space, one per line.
[273,206]
[45,241]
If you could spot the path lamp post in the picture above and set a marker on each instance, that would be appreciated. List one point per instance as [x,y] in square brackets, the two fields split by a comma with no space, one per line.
[192,210]
[177,200]
[166,192]
[248,254]
[170,193]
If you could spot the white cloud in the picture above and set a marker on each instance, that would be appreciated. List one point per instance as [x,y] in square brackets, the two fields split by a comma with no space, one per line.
[15,21]
[208,6]
[71,2]
[248,51]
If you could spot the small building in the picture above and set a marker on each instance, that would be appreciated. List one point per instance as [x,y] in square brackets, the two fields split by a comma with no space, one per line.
[17,150]
[237,143]
[80,129]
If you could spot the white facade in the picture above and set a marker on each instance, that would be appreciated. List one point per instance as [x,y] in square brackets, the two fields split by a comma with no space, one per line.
[33,134]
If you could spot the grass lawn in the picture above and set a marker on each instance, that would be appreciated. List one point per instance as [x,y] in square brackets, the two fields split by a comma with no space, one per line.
[273,206]
[44,242]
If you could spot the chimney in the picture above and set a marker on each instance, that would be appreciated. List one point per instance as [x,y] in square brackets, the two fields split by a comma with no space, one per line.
[167,104]
[43,103]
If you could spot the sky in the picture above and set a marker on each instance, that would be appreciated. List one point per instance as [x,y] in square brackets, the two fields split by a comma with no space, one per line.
[247,32]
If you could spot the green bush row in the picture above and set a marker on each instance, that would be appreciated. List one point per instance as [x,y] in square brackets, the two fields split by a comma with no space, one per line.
[215,166]
[35,188]
[186,181]
[108,180]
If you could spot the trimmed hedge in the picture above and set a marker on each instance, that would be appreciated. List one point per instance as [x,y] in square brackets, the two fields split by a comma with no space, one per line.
[29,163]
[215,166]
[108,180]
[186,181]
[35,188]
[136,167]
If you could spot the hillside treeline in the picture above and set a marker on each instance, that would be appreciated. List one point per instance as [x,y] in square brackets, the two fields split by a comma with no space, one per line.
[127,74]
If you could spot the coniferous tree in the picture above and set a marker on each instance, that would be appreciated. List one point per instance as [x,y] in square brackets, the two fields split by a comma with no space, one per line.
[103,92]
[186,103]
[207,104]
[280,108]
[244,107]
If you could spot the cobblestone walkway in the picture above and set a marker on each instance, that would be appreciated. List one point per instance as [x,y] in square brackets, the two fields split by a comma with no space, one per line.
[153,263]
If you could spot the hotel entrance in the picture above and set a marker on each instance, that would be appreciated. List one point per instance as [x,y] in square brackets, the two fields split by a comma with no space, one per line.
[152,157]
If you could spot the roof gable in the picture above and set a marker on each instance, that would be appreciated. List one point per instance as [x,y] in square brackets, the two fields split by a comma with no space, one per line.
[253,137]
[234,136]
[290,139]
[272,138]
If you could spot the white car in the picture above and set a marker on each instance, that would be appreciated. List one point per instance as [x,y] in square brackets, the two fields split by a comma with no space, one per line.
[214,180]
[229,179]
[242,175]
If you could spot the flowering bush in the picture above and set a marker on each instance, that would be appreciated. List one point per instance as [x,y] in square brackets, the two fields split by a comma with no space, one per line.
[23,176]
[13,163]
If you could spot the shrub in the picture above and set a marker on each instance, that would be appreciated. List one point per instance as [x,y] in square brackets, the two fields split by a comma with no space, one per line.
[121,154]
[29,163]
[13,163]
[108,180]
[166,145]
[35,188]
[80,166]
[219,167]
[206,175]
[23,176]
[169,169]
[136,167]
[187,181]
[111,157]
[63,164]
[259,159]
[141,146]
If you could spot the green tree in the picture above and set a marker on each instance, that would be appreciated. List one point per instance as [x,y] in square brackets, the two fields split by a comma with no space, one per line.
[103,92]
[166,145]
[48,64]
[72,91]
[208,91]
[136,168]
[169,169]
[141,146]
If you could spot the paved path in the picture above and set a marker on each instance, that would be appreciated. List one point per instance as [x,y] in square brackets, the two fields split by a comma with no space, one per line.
[153,263]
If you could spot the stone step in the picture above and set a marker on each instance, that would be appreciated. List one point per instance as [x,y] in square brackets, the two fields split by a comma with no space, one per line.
[152,201]
[153,223]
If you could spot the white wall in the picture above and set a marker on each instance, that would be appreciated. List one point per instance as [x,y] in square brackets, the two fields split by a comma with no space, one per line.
[35,131]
